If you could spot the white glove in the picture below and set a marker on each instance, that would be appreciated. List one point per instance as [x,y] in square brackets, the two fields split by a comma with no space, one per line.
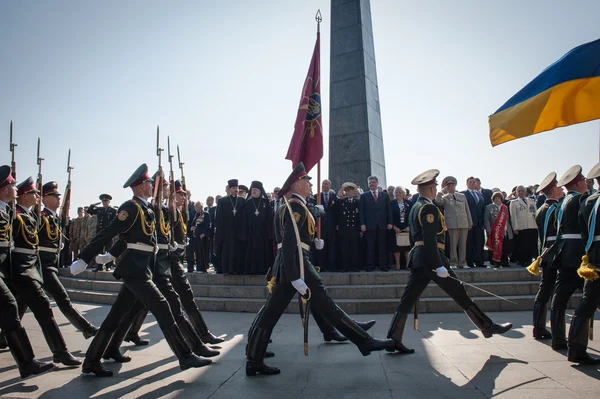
[104,258]
[187,242]
[77,267]
[319,244]
[442,272]
[174,247]
[300,286]
[62,246]
[321,209]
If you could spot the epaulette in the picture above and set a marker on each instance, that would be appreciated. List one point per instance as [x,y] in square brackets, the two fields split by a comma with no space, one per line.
[45,212]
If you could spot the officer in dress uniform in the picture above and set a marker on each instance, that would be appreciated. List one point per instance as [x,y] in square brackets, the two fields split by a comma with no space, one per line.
[26,276]
[10,323]
[288,281]
[584,313]
[569,250]
[545,218]
[348,225]
[428,262]
[51,239]
[135,222]
[104,215]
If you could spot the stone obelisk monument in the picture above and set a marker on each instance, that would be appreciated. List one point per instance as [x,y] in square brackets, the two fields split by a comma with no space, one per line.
[355,137]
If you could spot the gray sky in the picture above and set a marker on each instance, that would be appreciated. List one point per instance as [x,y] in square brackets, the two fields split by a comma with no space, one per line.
[223,79]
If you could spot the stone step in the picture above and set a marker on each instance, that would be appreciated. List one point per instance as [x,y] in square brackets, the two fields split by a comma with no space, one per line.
[351,306]
[337,292]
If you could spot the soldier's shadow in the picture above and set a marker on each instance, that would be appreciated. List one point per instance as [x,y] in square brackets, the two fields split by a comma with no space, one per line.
[590,371]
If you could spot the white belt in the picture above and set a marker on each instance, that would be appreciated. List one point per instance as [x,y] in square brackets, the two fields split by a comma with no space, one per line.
[27,251]
[570,236]
[596,238]
[48,249]
[304,246]
[140,247]
[551,238]
[4,244]
[163,246]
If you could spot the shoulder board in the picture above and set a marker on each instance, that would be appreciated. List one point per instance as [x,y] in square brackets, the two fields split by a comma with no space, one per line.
[45,212]
[134,200]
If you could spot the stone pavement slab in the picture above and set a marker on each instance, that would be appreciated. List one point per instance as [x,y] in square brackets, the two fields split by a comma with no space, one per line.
[452,360]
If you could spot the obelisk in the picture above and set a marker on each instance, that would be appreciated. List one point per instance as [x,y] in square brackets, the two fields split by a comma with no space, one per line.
[355,137]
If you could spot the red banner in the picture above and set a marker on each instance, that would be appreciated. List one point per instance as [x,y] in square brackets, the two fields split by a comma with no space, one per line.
[307,142]
[496,239]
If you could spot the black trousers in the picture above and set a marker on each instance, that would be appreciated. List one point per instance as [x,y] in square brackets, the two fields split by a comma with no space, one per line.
[547,285]
[590,300]
[349,242]
[475,243]
[419,280]
[201,251]
[183,288]
[189,254]
[376,248]
[9,316]
[567,282]
[525,246]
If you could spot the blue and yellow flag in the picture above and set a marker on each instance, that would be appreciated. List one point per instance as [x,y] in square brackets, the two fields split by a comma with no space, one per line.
[565,93]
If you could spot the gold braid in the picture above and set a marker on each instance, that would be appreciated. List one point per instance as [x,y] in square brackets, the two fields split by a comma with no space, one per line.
[147,228]
[165,227]
[440,215]
[4,233]
[52,235]
[24,231]
[183,226]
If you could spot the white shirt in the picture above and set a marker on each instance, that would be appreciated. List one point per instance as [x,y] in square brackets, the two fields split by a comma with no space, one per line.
[3,205]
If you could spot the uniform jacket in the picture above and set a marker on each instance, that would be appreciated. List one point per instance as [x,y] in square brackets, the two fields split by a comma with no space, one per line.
[456,210]
[426,225]
[570,251]
[550,205]
[587,207]
[104,215]
[50,238]
[25,266]
[522,214]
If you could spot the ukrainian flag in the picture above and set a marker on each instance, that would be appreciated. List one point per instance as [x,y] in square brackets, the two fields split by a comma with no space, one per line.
[565,93]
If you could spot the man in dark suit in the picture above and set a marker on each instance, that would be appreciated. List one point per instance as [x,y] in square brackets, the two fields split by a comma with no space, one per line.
[475,237]
[326,257]
[485,192]
[375,220]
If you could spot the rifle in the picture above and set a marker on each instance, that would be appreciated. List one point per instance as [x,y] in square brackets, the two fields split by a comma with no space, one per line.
[184,208]
[13,165]
[66,203]
[157,198]
[37,210]
[171,204]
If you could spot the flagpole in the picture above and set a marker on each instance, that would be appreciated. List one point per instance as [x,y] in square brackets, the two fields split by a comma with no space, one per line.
[318,18]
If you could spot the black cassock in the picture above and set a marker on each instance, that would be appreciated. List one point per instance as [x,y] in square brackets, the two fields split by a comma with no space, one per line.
[228,225]
[258,234]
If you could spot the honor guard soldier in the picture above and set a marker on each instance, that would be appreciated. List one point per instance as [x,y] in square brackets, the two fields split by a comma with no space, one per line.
[428,262]
[25,274]
[104,215]
[589,269]
[288,280]
[545,218]
[51,242]
[10,322]
[348,226]
[135,223]
[569,250]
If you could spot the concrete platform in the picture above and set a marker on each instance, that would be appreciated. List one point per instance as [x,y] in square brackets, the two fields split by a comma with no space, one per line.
[452,360]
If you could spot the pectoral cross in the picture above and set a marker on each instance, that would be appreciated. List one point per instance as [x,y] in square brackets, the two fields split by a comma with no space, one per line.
[256,212]
[234,211]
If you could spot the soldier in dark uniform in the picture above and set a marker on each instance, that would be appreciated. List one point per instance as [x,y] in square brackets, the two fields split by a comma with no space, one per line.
[347,221]
[161,276]
[288,281]
[135,223]
[589,269]
[428,262]
[10,322]
[104,214]
[50,236]
[545,218]
[26,276]
[569,250]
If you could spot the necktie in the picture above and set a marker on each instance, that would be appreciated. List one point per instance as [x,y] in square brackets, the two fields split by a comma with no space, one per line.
[326,199]
[476,196]
[375,195]
[454,197]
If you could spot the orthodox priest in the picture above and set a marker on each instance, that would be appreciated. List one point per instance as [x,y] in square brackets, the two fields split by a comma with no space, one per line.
[228,224]
[258,231]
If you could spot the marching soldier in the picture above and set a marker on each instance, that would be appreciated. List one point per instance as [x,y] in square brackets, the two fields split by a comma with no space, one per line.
[348,226]
[25,274]
[545,218]
[569,250]
[104,215]
[135,222]
[589,269]
[50,243]
[288,281]
[428,262]
[10,323]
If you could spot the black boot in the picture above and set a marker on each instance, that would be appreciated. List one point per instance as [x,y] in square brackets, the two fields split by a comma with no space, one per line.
[3,343]
[79,322]
[116,355]
[539,321]
[334,335]
[257,346]
[194,341]
[578,342]
[56,343]
[186,357]
[396,332]
[558,327]
[136,324]
[255,321]
[365,343]
[93,356]
[20,347]
[366,325]
[202,329]
[484,323]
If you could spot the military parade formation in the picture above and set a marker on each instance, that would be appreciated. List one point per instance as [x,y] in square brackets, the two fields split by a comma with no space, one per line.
[145,241]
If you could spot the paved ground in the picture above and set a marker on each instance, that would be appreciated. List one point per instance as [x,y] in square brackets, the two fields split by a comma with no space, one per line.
[452,360]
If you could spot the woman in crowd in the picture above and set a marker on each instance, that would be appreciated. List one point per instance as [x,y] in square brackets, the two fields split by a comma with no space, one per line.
[200,229]
[522,217]
[400,209]
[495,221]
